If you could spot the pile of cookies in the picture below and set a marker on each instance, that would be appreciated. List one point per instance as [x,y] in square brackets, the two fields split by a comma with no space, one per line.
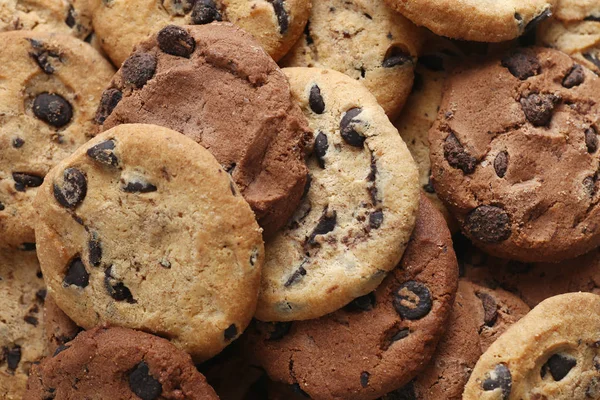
[286,199]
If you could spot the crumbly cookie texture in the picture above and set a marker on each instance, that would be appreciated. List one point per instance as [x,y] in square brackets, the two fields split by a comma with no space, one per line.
[358,210]
[514,154]
[59,328]
[551,353]
[367,41]
[142,228]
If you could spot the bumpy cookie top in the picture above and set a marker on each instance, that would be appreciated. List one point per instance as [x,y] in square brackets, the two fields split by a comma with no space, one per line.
[514,154]
[577,10]
[142,228]
[118,363]
[214,84]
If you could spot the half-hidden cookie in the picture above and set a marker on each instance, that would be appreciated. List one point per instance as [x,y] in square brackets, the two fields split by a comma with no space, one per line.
[214,84]
[367,41]
[476,20]
[122,24]
[22,341]
[514,154]
[378,342]
[576,10]
[142,228]
[359,207]
[551,353]
[48,100]
[59,328]
[118,363]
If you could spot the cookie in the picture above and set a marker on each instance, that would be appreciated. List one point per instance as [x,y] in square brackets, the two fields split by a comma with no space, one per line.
[22,341]
[514,154]
[122,24]
[214,84]
[142,228]
[551,353]
[59,328]
[359,206]
[576,10]
[476,20]
[378,342]
[367,41]
[47,103]
[118,363]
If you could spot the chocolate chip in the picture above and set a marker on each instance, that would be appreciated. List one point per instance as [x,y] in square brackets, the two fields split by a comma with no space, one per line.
[295,277]
[110,99]
[230,333]
[315,100]
[31,320]
[592,18]
[575,77]
[522,64]
[176,41]
[499,378]
[42,56]
[17,143]
[364,379]
[591,140]
[501,164]
[117,290]
[326,224]
[139,186]
[41,295]
[376,219]
[2,207]
[457,156]
[12,357]
[547,13]
[144,385]
[103,153]
[205,12]
[76,274]
[282,16]
[432,62]
[559,366]
[138,69]
[412,300]
[278,330]
[393,335]
[95,250]
[489,224]
[539,108]
[70,20]
[395,56]
[53,109]
[60,349]
[347,128]
[490,308]
[362,303]
[593,58]
[321,146]
[24,181]
[307,35]
[73,190]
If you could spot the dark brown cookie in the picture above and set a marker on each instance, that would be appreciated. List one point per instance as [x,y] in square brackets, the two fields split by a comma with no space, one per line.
[379,341]
[59,328]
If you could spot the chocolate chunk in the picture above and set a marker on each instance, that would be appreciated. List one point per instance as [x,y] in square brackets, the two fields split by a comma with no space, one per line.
[70,20]
[321,146]
[432,62]
[544,15]
[315,100]
[12,357]
[490,308]
[2,207]
[277,330]
[499,378]
[489,224]
[559,366]
[592,18]
[73,190]
[103,153]
[31,320]
[522,64]
[412,300]
[205,12]
[41,294]
[138,69]
[395,335]
[593,58]
[457,156]
[176,41]
[364,379]
[139,186]
[95,250]
[501,164]
[230,333]
[282,16]
[60,349]
[376,219]
[326,224]
[24,181]
[296,276]
[17,143]
[347,128]
[396,56]
[117,290]
[110,99]
[575,77]
[591,140]
[539,108]
[76,274]
[362,303]
[307,35]
[53,109]
[144,385]
[42,56]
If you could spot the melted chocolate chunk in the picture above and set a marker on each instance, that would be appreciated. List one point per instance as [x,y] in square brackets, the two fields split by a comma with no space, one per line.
[283,18]
[73,190]
[362,303]
[2,207]
[347,128]
[296,276]
[95,250]
[117,290]
[110,99]
[591,140]
[595,18]
[144,385]
[139,186]
[12,357]
[24,181]
[393,335]
[559,366]
[490,308]
[176,41]
[501,164]
[489,224]
[53,109]
[575,77]
[70,20]
[42,56]
[103,153]
[539,108]
[315,100]
[277,330]
[326,224]
[17,143]
[396,56]
[499,378]
[307,35]
[321,146]
[522,64]
[138,69]
[230,333]
[31,320]
[364,379]
[60,349]
[205,12]
[412,300]
[76,274]
[544,15]
[457,156]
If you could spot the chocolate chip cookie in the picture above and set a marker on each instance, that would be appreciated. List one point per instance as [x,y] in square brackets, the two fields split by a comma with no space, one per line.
[551,353]
[118,363]
[47,104]
[142,228]
[59,328]
[214,84]
[576,10]
[22,341]
[122,24]
[379,341]
[359,206]
[514,154]
[367,41]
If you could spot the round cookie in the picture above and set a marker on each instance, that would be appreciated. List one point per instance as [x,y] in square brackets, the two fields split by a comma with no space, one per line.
[22,341]
[576,10]
[122,24]
[551,353]
[514,154]
[59,328]
[142,228]
[367,41]
[118,363]
[476,20]
[214,84]
[379,341]
[47,103]
[359,208]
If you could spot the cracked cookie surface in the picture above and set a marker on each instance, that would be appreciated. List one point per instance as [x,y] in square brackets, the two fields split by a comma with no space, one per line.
[142,228]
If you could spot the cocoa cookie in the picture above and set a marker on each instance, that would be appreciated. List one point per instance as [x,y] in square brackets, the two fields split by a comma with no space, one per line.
[122,24]
[214,84]
[142,228]
[118,363]
[551,353]
[378,342]
[359,207]
[366,40]
[59,328]
[514,154]
[47,104]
